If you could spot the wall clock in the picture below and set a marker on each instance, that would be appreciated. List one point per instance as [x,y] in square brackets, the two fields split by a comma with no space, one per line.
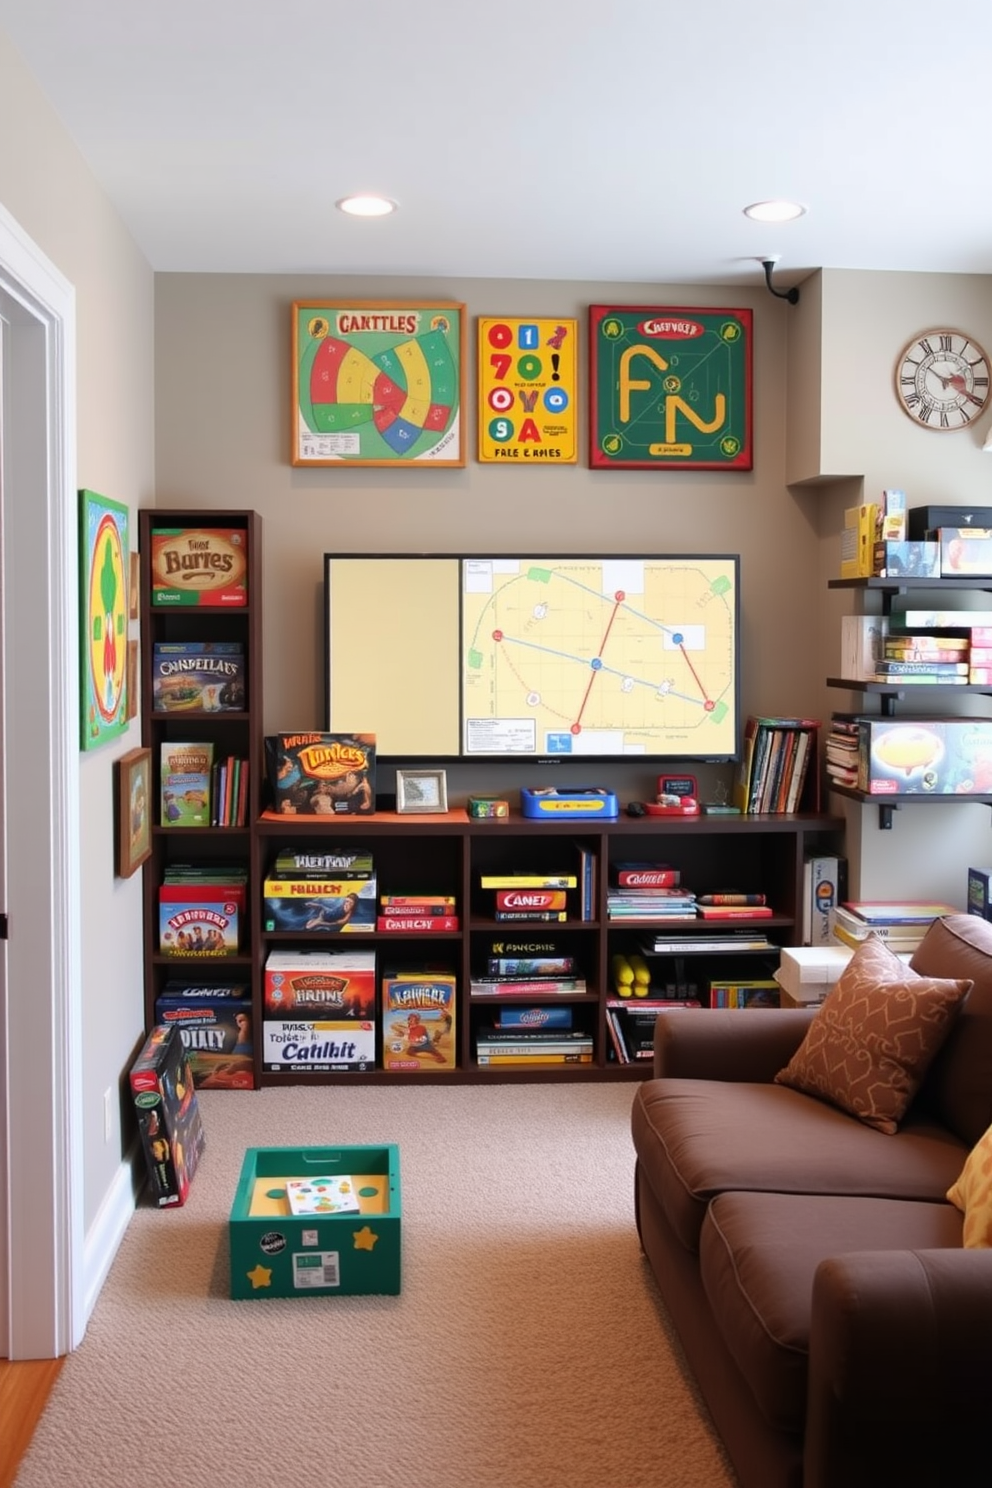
[942,379]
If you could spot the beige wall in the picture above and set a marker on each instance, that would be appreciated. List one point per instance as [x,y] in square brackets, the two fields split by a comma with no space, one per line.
[46,186]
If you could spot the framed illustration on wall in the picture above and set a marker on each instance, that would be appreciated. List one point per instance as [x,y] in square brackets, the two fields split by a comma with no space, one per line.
[527,404]
[134,826]
[669,388]
[378,383]
[103,592]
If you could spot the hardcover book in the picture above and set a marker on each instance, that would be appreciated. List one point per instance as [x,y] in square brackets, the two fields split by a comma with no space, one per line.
[185,784]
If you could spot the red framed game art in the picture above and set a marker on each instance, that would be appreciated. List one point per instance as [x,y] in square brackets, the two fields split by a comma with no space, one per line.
[378,383]
[670,388]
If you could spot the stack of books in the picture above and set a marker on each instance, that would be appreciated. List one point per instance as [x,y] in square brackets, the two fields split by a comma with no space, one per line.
[631,1025]
[842,751]
[935,660]
[515,984]
[901,924]
[530,1046]
[648,891]
[777,760]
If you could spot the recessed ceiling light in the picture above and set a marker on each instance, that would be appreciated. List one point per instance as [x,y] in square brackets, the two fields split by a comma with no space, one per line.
[367,206]
[774,211]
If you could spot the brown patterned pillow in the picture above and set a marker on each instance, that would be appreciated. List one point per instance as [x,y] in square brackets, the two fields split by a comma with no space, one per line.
[872,1039]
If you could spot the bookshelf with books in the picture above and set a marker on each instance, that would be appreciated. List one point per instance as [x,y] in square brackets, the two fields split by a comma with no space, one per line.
[201,712]
[902,672]
[534,995]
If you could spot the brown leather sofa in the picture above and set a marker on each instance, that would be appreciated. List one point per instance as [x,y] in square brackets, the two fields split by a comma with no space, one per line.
[839,1333]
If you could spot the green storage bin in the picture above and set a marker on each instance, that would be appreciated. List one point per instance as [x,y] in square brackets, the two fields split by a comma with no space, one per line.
[276,1253]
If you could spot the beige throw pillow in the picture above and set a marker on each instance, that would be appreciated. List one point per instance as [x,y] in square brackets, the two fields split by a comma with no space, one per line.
[872,1039]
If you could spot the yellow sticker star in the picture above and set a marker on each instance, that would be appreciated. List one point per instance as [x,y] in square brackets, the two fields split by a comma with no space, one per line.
[260,1277]
[365,1239]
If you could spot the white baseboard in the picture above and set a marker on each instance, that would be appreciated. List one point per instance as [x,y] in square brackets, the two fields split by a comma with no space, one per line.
[106,1233]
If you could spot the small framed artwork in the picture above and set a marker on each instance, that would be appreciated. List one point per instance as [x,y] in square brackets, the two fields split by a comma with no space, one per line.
[134,824]
[528,410]
[104,599]
[132,679]
[421,790]
[132,585]
[378,383]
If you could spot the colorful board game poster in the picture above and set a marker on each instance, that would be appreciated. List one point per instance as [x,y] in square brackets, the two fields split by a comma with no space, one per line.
[104,570]
[527,404]
[378,383]
[670,388]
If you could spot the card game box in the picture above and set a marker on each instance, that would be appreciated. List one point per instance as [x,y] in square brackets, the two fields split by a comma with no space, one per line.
[325,1253]
[208,676]
[316,774]
[199,566]
[162,1088]
[418,1021]
[215,1024]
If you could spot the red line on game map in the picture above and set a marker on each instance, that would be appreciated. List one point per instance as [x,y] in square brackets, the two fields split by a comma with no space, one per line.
[599,653]
[685,658]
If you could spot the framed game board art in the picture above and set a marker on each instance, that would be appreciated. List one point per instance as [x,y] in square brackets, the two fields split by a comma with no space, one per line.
[378,383]
[670,388]
[103,594]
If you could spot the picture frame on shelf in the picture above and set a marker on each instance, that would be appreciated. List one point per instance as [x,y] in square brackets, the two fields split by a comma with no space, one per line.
[421,791]
[378,383]
[104,577]
[134,817]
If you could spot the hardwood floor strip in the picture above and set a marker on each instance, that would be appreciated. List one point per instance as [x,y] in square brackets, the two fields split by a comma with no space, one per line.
[25,1386]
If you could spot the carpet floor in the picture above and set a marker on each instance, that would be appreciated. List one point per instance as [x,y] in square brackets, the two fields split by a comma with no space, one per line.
[528,1348]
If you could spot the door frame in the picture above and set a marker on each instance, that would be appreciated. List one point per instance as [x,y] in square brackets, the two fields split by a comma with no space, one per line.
[41,1172]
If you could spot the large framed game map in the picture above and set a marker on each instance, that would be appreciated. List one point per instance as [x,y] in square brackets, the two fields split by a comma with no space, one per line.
[670,388]
[378,383]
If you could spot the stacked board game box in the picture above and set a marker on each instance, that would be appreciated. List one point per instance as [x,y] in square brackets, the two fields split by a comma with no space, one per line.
[215,1024]
[162,1087]
[319,1010]
[200,909]
[324,893]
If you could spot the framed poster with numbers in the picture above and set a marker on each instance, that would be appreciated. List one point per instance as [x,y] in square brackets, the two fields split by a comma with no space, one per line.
[669,388]
[378,383]
[527,412]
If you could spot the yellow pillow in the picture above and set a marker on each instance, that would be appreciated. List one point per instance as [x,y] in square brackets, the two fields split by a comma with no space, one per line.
[972,1194]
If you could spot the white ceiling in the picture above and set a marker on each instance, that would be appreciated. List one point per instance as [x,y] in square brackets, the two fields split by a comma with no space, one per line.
[547,139]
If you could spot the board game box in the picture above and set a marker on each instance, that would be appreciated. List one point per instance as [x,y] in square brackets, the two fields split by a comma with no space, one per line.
[325,1045]
[418,1021]
[321,984]
[315,774]
[207,675]
[198,921]
[215,1024]
[320,906]
[199,566]
[162,1086]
